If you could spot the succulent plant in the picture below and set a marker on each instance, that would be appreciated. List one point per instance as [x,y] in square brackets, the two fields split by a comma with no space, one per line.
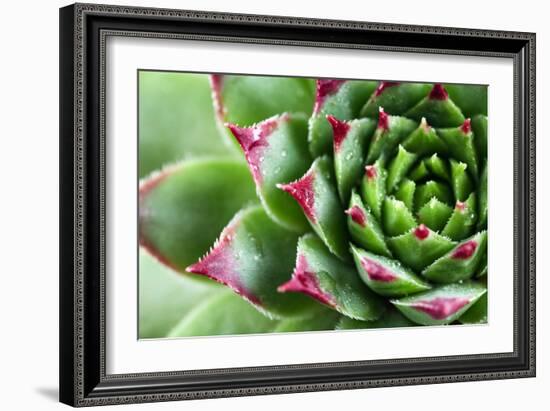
[360,204]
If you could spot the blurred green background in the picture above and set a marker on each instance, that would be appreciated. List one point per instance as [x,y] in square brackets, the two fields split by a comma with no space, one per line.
[176,120]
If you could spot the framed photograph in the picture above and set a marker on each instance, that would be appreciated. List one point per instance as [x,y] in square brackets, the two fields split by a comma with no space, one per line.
[259,204]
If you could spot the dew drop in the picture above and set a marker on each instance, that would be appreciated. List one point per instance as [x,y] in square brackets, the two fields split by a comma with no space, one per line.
[283,153]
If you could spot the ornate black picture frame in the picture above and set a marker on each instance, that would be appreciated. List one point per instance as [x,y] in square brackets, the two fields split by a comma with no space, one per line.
[83,31]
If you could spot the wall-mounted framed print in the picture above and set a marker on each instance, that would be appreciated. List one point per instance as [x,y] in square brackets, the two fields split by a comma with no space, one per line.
[257,204]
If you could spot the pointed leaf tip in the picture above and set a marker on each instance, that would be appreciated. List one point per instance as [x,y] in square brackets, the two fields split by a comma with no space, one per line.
[383,119]
[254,141]
[466,127]
[325,88]
[465,250]
[322,276]
[370,171]
[376,272]
[177,223]
[302,191]
[219,264]
[253,256]
[340,130]
[424,124]
[421,232]
[383,86]
[386,276]
[438,92]
[304,281]
[441,307]
[357,215]
[460,263]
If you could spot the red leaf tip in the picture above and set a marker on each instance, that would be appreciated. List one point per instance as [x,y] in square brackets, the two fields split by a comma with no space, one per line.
[304,281]
[254,141]
[220,264]
[357,215]
[421,232]
[303,192]
[438,92]
[370,172]
[383,119]
[466,127]
[325,88]
[377,272]
[465,251]
[441,307]
[340,130]
[384,85]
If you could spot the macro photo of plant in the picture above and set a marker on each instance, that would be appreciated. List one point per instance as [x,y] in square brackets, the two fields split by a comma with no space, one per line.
[281,204]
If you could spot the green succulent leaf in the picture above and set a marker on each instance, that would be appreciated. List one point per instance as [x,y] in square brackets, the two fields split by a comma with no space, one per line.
[419,247]
[246,100]
[341,99]
[395,98]
[437,108]
[389,133]
[426,191]
[460,141]
[462,221]
[316,193]
[482,195]
[364,228]
[396,217]
[438,167]
[482,268]
[420,172]
[253,256]
[479,127]
[224,313]
[471,99]
[324,277]
[390,319]
[441,305]
[434,214]
[405,193]
[386,276]
[183,208]
[319,319]
[276,151]
[424,140]
[461,181]
[373,188]
[350,143]
[399,167]
[477,313]
[460,263]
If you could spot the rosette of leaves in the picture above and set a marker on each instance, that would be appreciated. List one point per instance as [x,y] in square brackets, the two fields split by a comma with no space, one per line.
[353,204]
